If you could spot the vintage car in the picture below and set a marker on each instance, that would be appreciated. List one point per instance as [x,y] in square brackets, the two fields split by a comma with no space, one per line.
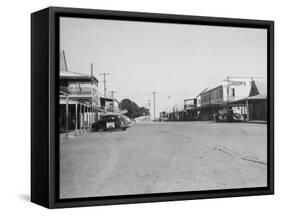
[229,116]
[112,122]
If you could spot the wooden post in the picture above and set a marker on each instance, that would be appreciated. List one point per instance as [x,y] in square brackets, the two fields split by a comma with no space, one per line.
[66,117]
[84,113]
[76,108]
[80,118]
[88,117]
[248,111]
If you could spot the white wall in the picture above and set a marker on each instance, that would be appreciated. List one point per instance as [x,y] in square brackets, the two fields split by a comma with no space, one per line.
[241,91]
[15,107]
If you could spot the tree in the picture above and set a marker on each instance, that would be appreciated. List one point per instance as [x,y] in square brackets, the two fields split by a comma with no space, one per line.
[133,109]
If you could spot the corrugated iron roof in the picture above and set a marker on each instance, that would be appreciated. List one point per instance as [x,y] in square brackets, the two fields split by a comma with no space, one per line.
[257,97]
[71,73]
[261,85]
[76,76]
[63,65]
[204,90]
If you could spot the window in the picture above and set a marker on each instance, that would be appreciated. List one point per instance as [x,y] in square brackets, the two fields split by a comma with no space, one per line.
[233,92]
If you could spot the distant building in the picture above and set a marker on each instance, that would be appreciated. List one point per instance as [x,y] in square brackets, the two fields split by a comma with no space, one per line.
[198,98]
[190,112]
[109,105]
[248,96]
[190,103]
[163,116]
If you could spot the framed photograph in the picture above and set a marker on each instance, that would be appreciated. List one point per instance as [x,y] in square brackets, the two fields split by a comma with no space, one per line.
[132,107]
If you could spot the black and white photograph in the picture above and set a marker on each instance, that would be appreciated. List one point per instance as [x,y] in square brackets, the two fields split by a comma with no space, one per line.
[148,108]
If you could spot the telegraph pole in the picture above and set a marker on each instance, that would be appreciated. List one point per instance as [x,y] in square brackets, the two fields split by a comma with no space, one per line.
[154,105]
[104,82]
[112,94]
[149,107]
[92,94]
[112,97]
[227,92]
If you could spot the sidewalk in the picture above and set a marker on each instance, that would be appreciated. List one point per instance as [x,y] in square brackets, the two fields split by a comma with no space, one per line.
[256,121]
[72,133]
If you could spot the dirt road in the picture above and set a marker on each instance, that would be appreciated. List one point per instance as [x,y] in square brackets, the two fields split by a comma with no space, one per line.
[164,157]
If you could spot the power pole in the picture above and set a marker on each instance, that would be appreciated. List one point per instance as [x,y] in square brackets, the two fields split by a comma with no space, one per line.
[154,105]
[149,107]
[227,92]
[92,95]
[112,94]
[112,97]
[104,82]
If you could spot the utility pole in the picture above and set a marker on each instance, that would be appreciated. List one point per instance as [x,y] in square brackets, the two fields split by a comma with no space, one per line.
[66,116]
[104,82]
[154,105]
[149,107]
[227,92]
[92,95]
[112,97]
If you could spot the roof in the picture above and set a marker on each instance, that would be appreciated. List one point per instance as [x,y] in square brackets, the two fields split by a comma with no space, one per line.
[258,97]
[261,85]
[204,90]
[64,90]
[70,75]
[108,99]
[251,98]
[210,89]
[63,65]
[189,99]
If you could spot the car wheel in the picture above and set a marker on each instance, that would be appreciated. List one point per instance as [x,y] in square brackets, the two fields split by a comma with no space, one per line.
[96,128]
[110,129]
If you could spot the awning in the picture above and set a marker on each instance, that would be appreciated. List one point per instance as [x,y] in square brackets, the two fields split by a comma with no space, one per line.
[252,98]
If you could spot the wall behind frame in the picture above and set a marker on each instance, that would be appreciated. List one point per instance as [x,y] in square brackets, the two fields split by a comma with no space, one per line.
[15,109]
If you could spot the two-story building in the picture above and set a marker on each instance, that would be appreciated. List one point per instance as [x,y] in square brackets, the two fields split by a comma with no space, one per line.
[254,106]
[79,101]
[109,105]
[190,112]
[220,97]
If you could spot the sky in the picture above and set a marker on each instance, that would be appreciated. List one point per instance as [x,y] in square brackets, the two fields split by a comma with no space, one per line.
[177,61]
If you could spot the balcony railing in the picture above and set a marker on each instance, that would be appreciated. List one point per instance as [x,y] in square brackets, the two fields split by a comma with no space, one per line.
[80,91]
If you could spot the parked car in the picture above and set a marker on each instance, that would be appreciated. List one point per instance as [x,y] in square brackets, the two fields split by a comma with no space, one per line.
[163,116]
[112,122]
[229,116]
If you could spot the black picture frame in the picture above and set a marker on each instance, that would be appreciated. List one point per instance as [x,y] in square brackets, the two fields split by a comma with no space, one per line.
[44,101]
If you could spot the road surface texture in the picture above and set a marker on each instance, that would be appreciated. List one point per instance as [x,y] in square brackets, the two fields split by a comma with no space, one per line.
[164,157]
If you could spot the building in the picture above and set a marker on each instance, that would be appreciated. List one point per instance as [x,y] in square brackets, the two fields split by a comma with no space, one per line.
[79,101]
[198,98]
[254,106]
[109,105]
[190,112]
[177,113]
[247,96]
[219,97]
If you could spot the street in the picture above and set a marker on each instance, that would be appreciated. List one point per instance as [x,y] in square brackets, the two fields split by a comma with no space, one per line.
[164,157]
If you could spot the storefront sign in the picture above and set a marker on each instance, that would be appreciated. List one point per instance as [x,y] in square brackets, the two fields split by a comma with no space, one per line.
[239,83]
